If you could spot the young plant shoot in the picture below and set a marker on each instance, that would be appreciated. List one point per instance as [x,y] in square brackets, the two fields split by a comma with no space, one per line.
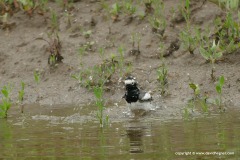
[98,92]
[219,86]
[211,54]
[5,101]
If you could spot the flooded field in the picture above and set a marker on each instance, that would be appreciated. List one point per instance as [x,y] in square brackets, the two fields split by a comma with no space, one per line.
[74,133]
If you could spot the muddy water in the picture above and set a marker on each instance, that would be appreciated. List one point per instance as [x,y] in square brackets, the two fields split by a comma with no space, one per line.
[74,133]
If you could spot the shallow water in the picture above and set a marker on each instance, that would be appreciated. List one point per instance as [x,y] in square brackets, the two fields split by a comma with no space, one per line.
[74,133]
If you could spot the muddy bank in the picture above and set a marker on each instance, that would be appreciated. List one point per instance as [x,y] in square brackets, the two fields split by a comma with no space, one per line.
[22,52]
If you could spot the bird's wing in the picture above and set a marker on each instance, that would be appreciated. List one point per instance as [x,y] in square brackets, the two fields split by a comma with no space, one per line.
[145,96]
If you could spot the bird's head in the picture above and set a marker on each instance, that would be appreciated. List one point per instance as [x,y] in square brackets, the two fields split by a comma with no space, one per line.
[130,80]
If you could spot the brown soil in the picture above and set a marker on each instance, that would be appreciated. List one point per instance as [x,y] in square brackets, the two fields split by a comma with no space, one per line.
[22,53]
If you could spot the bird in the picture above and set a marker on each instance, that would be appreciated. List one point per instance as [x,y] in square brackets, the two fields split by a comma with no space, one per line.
[133,93]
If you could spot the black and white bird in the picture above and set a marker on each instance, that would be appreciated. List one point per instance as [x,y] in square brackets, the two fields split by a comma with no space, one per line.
[133,93]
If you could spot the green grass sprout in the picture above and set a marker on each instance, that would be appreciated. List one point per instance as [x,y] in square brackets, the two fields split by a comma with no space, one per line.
[6,101]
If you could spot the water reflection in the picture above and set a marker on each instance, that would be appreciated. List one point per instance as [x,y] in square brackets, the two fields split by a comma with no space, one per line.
[135,133]
[103,142]
[5,137]
[136,130]
[64,134]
